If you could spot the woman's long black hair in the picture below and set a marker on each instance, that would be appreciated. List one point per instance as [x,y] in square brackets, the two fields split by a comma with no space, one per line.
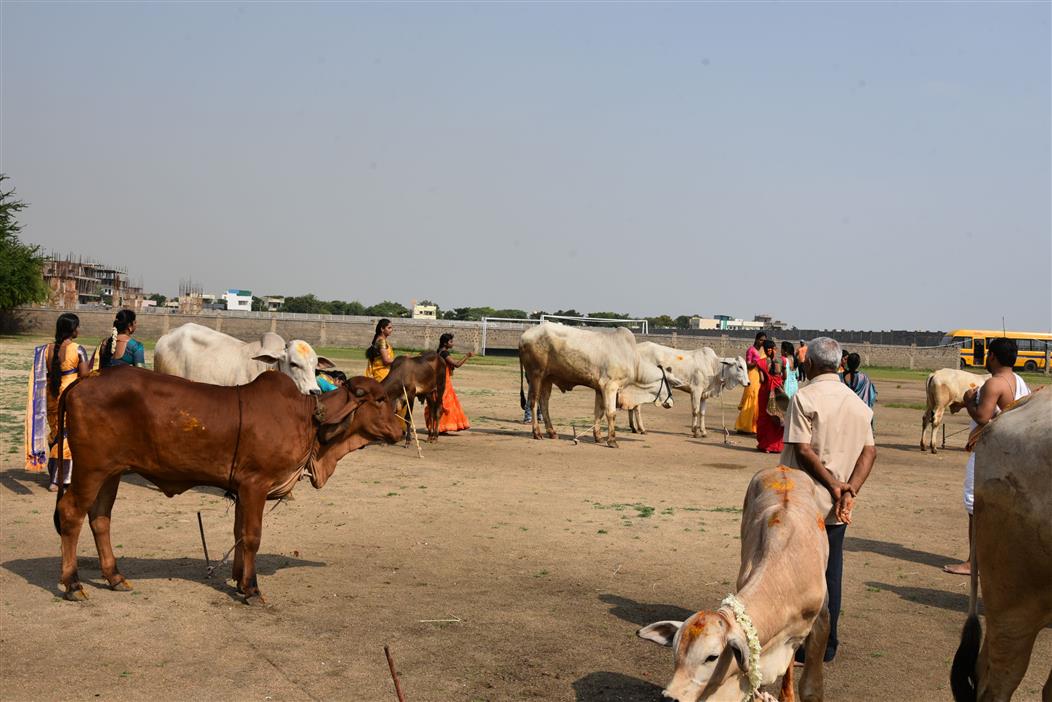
[65,327]
[121,322]
[442,340]
[372,352]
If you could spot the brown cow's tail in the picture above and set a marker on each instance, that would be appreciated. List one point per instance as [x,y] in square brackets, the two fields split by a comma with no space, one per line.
[929,396]
[964,675]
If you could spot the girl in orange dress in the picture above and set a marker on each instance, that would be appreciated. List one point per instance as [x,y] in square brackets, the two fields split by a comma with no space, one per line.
[66,362]
[453,417]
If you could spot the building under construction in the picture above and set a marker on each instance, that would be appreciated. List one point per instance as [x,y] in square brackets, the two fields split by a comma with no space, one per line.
[73,282]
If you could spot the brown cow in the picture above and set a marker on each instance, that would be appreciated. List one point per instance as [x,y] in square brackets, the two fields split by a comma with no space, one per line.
[423,377]
[254,440]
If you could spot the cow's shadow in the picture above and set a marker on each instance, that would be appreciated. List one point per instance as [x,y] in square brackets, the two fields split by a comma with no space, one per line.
[642,613]
[606,686]
[931,597]
[43,572]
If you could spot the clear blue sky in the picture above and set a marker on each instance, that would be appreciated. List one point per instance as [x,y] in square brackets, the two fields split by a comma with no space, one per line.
[843,165]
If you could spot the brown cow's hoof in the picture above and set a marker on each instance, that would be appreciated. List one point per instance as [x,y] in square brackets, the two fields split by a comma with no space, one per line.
[553,435]
[256,600]
[537,435]
[612,443]
[75,594]
[122,585]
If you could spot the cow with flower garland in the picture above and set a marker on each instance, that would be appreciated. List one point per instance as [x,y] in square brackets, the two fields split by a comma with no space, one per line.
[780,603]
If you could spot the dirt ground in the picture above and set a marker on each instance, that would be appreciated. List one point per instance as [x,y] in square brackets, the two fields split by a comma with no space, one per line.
[497,567]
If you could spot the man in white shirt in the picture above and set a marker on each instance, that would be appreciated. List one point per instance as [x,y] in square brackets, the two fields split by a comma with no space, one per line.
[829,436]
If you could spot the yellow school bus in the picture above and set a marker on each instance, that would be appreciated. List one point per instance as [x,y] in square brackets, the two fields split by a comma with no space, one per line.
[974,343]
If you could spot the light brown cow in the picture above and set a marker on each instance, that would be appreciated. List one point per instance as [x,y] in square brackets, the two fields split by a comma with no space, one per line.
[944,388]
[1012,557]
[781,585]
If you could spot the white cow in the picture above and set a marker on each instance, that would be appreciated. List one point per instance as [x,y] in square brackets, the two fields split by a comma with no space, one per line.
[703,373]
[1012,556]
[205,355]
[944,388]
[781,594]
[607,361]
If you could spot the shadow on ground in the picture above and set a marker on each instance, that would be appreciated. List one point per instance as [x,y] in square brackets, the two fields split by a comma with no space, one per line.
[903,553]
[604,686]
[44,572]
[642,613]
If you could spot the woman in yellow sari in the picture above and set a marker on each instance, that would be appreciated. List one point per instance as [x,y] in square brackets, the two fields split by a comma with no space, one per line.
[379,355]
[749,406]
[62,362]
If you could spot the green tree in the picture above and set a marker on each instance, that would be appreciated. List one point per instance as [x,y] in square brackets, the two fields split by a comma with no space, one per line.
[608,315]
[306,304]
[683,322]
[353,308]
[21,265]
[161,299]
[510,314]
[388,309]
[663,321]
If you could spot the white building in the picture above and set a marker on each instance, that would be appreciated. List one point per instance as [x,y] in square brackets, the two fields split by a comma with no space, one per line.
[425,311]
[239,300]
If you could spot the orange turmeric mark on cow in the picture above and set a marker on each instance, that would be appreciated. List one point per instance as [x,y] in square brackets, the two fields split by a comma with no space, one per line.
[190,422]
[775,519]
[821,523]
[781,484]
[301,348]
[679,358]
[696,628]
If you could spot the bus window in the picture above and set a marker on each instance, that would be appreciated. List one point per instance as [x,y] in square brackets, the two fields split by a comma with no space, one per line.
[979,353]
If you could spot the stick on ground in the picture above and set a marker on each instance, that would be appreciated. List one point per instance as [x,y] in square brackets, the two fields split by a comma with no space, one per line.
[394,675]
[412,424]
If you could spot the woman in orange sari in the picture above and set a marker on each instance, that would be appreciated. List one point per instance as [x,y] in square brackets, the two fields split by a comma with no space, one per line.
[65,361]
[453,417]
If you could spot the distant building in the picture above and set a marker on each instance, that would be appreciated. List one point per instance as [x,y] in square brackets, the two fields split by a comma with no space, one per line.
[425,311]
[73,282]
[704,323]
[770,322]
[238,300]
[273,303]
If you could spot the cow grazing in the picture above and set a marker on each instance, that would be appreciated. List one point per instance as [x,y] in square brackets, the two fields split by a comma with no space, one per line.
[420,377]
[703,373]
[608,362]
[205,355]
[1012,552]
[945,388]
[255,441]
[782,588]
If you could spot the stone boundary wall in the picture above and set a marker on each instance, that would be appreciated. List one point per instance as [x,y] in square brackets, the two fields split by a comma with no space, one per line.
[357,332]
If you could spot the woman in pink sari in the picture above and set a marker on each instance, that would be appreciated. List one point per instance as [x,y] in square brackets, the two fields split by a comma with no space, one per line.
[769,428]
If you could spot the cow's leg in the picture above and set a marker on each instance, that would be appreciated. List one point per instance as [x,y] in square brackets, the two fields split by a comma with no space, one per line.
[925,421]
[610,407]
[1004,656]
[632,420]
[251,501]
[597,414]
[99,520]
[636,414]
[787,693]
[701,416]
[238,567]
[812,684]
[69,518]
[409,418]
[546,394]
[533,400]
[936,420]
[695,414]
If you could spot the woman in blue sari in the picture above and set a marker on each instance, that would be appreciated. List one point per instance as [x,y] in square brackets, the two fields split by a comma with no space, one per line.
[121,349]
[858,381]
